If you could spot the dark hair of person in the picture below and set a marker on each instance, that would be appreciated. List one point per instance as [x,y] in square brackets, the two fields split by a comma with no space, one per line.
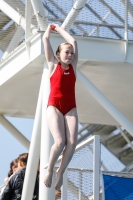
[60,46]
[23,158]
[13,163]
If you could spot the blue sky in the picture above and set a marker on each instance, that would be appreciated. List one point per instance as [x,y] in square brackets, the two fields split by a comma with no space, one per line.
[10,148]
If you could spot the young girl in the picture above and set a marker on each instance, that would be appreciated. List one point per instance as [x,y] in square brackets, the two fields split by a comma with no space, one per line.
[13,169]
[61,110]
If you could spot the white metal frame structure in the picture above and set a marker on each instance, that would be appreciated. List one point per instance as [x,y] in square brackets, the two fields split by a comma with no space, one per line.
[96,169]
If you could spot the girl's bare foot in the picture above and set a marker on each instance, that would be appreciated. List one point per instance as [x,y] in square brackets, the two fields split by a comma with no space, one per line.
[59,181]
[48,178]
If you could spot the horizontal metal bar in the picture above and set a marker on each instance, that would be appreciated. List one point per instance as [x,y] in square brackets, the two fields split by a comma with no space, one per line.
[125,174]
[92,23]
[76,169]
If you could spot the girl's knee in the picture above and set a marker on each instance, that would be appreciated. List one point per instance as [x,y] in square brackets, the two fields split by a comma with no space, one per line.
[60,144]
[72,144]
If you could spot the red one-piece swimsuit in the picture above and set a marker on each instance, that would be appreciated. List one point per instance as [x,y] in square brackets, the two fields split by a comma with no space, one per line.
[62,89]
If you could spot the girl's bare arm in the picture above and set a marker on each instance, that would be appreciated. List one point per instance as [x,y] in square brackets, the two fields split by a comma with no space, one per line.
[49,54]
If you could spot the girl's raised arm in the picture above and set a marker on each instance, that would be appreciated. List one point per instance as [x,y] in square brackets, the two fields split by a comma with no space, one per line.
[51,60]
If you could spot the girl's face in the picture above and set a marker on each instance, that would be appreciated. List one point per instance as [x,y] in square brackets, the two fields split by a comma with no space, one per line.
[14,169]
[66,54]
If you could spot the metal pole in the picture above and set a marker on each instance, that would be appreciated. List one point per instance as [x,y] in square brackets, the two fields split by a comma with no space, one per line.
[40,14]
[72,15]
[80,185]
[126,20]
[15,41]
[96,167]
[64,186]
[21,138]
[99,96]
[125,137]
[126,29]
[46,141]
[34,153]
[14,15]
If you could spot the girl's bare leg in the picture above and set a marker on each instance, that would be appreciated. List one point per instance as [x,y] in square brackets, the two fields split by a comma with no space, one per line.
[71,125]
[57,128]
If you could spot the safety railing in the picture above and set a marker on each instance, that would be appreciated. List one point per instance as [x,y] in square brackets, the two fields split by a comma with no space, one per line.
[70,187]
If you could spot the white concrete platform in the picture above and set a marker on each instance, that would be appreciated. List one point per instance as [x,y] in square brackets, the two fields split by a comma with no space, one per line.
[101,60]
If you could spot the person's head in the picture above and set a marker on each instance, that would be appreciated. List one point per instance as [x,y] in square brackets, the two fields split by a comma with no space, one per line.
[65,53]
[13,167]
[22,160]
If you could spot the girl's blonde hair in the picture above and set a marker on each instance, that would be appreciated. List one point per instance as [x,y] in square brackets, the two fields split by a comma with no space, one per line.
[60,47]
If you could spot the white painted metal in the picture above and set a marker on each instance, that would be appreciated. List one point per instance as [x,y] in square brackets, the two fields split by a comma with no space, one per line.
[96,167]
[34,153]
[64,187]
[71,17]
[126,28]
[77,22]
[15,41]
[80,184]
[125,137]
[28,17]
[14,15]
[64,13]
[130,7]
[21,138]
[105,102]
[83,128]
[103,189]
[46,141]
[40,14]
[12,66]
[103,19]
[126,21]
[112,51]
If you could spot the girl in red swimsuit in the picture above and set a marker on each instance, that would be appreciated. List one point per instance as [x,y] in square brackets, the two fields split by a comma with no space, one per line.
[61,110]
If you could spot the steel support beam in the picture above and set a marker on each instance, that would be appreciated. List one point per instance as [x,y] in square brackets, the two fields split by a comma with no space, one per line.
[15,16]
[34,153]
[99,96]
[40,13]
[126,28]
[103,19]
[19,136]
[15,41]
[96,168]
[28,17]
[71,17]
[125,137]
[130,7]
[99,17]
[65,14]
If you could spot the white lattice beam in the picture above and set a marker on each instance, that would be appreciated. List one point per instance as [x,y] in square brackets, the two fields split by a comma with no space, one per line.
[130,7]
[71,17]
[14,15]
[40,13]
[15,41]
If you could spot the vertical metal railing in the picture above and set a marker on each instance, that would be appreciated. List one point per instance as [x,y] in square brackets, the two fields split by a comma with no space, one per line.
[96,170]
[126,29]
